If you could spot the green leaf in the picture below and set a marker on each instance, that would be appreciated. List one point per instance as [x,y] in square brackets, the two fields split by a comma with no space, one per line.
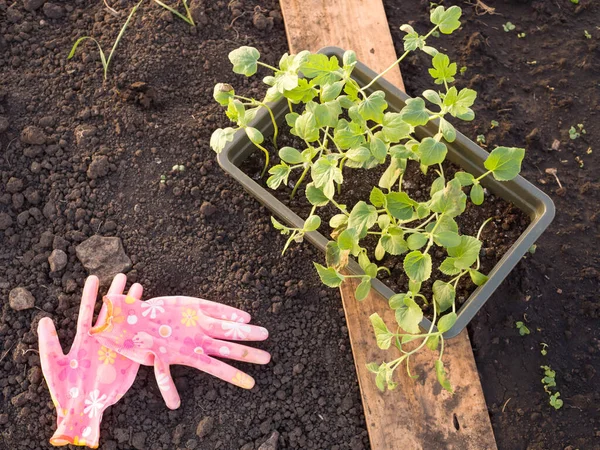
[394,128]
[359,154]
[383,335]
[329,276]
[416,240]
[279,226]
[305,127]
[362,217]
[349,58]
[505,162]
[414,112]
[304,92]
[451,201]
[348,239]
[432,152]
[290,155]
[433,342]
[220,138]
[447,19]
[377,197]
[448,130]
[373,106]
[312,223]
[477,277]
[464,178]
[378,149]
[433,97]
[373,367]
[244,60]
[441,375]
[443,71]
[392,173]
[446,322]
[324,173]
[443,295]
[448,267]
[400,205]
[409,315]
[393,241]
[383,221]
[438,184]
[326,113]
[236,112]
[446,238]
[414,286]
[321,69]
[459,103]
[222,93]
[348,134]
[331,91]
[466,253]
[363,289]
[412,40]
[333,255]
[279,174]
[417,266]
[396,301]
[255,136]
[316,197]
[285,81]
[477,194]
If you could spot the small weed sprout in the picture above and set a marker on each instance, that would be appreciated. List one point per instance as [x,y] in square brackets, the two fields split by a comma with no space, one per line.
[587,34]
[188,15]
[549,381]
[103,58]
[481,139]
[574,133]
[523,330]
[521,35]
[494,124]
[508,26]
[544,350]
[341,126]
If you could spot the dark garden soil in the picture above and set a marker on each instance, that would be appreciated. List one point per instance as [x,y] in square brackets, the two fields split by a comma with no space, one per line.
[225,250]
[536,87]
[202,235]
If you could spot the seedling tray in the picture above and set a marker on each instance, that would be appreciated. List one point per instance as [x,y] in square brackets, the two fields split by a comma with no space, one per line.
[462,152]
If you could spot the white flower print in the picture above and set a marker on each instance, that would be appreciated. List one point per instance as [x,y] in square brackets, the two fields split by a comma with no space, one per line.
[224,351]
[74,392]
[163,382]
[234,317]
[236,330]
[86,432]
[94,404]
[153,306]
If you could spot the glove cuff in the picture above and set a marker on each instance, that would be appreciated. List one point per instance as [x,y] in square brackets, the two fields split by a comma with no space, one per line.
[77,429]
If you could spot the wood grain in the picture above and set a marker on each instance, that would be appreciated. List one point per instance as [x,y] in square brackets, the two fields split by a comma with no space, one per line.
[418,414]
[359,25]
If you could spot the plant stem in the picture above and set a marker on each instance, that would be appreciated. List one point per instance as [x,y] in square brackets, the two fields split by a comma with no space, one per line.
[120,35]
[275,128]
[483,176]
[260,63]
[266,152]
[187,20]
[299,182]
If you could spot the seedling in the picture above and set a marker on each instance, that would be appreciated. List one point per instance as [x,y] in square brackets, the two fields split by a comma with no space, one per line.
[494,124]
[521,35]
[463,69]
[574,133]
[188,15]
[587,34]
[523,330]
[552,171]
[106,61]
[549,381]
[544,350]
[508,26]
[532,249]
[341,126]
[178,168]
[575,2]
[481,139]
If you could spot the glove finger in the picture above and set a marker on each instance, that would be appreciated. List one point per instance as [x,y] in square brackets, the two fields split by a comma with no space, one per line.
[165,384]
[233,331]
[136,290]
[237,352]
[220,370]
[86,308]
[116,287]
[211,309]
[50,349]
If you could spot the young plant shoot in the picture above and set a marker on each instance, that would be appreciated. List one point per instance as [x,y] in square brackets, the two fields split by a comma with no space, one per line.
[345,126]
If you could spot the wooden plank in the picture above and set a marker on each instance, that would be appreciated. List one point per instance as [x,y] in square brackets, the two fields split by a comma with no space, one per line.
[418,414]
[359,25]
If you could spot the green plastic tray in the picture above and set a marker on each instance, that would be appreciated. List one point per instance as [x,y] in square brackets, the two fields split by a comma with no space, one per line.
[463,152]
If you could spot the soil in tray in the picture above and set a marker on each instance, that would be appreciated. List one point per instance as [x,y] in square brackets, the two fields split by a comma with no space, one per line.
[536,87]
[199,234]
[507,224]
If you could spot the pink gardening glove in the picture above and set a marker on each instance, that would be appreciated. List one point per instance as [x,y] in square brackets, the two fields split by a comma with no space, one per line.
[181,330]
[91,377]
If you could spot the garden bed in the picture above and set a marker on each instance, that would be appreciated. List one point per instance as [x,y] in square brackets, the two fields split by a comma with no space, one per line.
[200,234]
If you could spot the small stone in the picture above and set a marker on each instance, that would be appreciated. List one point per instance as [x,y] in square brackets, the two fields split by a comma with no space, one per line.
[19,400]
[14,185]
[35,375]
[57,260]
[139,440]
[271,443]
[32,5]
[167,16]
[4,124]
[207,209]
[20,299]
[205,427]
[33,136]
[261,22]
[298,368]
[3,419]
[14,15]
[191,444]
[46,239]
[103,257]
[121,435]
[98,167]
[53,10]
[5,221]
[83,134]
